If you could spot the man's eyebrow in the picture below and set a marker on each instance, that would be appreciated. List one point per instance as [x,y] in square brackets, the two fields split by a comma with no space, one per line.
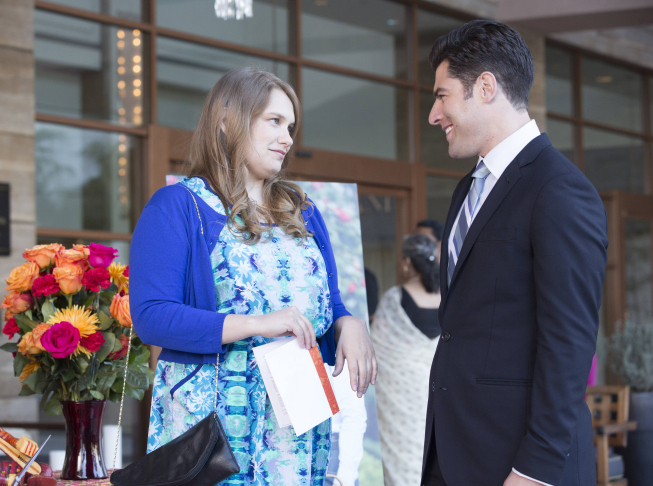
[437,91]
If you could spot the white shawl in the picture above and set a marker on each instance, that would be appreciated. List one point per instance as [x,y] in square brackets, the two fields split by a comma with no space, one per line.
[404,356]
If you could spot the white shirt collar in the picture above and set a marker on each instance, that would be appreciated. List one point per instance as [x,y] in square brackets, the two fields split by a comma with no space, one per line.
[503,154]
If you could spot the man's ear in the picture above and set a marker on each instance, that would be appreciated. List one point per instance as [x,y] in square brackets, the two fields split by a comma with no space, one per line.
[487,86]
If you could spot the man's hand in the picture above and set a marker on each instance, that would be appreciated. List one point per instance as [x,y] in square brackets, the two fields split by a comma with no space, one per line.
[517,480]
[355,345]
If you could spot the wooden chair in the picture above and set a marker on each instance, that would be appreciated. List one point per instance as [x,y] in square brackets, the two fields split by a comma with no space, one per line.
[609,407]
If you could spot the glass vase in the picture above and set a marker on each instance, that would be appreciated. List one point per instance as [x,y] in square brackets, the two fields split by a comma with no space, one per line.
[83,440]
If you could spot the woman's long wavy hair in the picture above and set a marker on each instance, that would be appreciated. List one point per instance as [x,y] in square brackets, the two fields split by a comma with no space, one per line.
[234,103]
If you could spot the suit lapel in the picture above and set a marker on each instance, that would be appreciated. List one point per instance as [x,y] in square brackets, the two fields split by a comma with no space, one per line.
[501,189]
[457,200]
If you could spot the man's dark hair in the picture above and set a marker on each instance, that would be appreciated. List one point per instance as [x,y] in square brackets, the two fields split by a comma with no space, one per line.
[436,227]
[485,45]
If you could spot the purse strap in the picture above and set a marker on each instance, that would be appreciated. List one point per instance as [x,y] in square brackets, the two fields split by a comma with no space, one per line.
[129,346]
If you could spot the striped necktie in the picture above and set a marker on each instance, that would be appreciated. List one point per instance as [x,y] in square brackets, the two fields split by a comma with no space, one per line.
[470,206]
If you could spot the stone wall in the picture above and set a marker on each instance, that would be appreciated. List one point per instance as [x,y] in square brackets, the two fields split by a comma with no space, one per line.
[17,167]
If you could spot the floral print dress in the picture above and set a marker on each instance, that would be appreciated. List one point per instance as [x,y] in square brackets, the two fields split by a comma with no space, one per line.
[255,279]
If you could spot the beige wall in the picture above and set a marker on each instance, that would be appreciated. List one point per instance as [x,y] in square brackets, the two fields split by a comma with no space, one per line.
[17,168]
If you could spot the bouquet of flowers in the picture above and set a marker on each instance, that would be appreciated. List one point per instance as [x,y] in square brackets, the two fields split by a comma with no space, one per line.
[70,311]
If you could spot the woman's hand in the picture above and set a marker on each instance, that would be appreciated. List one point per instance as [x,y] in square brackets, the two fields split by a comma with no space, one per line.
[355,345]
[284,322]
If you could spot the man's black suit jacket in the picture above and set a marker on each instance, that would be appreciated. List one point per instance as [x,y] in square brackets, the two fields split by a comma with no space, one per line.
[519,325]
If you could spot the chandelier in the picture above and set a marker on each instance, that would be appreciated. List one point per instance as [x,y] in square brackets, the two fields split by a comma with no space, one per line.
[233,9]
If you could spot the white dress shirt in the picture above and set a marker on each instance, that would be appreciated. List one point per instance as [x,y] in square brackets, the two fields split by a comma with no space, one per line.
[497,160]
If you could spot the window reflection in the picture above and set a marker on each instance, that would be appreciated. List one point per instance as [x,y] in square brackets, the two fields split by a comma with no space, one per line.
[434,148]
[83,178]
[368,35]
[613,161]
[430,26]
[611,95]
[561,134]
[267,29]
[378,228]
[186,72]
[638,269]
[439,191]
[127,9]
[89,70]
[559,81]
[352,115]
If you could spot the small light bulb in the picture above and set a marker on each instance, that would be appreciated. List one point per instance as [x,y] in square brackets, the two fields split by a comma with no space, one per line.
[137,82]
[121,85]
[122,161]
[122,147]
[137,59]
[122,172]
[121,111]
[136,42]
[136,32]
[121,34]
[137,110]
[121,70]
[136,69]
[121,44]
[137,92]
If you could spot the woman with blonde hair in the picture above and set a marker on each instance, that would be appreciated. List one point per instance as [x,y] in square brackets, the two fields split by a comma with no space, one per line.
[405,333]
[231,258]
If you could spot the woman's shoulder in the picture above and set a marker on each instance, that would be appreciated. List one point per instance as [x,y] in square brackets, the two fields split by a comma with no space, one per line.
[170,197]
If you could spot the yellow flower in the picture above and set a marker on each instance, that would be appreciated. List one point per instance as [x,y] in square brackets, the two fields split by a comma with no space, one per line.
[28,370]
[82,319]
[117,272]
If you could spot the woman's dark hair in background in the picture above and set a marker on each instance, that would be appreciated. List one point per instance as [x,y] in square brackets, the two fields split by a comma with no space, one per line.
[485,45]
[421,251]
[436,227]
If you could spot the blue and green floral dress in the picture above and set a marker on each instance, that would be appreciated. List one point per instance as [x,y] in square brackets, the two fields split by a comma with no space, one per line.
[255,279]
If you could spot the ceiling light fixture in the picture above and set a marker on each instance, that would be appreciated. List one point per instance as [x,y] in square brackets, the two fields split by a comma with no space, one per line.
[233,9]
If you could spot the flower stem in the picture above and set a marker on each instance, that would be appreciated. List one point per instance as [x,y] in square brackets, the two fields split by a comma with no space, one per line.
[70,300]
[65,391]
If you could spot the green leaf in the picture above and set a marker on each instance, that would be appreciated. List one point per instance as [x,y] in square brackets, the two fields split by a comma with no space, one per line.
[117,385]
[138,358]
[26,391]
[96,394]
[106,298]
[38,381]
[106,348]
[29,315]
[137,379]
[10,347]
[83,363]
[47,310]
[70,374]
[117,345]
[103,380]
[53,406]
[88,301]
[138,394]
[20,362]
[26,324]
[105,321]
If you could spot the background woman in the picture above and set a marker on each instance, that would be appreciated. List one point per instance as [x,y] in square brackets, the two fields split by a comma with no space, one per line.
[229,259]
[405,333]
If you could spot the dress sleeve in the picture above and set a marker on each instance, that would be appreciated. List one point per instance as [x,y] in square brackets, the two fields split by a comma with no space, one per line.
[160,269]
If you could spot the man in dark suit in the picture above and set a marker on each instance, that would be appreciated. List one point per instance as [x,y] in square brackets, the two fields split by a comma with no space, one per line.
[522,269]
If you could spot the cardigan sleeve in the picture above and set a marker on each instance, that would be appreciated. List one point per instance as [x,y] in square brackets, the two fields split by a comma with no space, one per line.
[339,309]
[160,272]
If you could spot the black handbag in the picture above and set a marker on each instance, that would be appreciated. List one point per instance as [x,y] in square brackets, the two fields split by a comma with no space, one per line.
[201,456]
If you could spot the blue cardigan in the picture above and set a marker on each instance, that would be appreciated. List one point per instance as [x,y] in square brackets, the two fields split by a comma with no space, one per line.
[171,287]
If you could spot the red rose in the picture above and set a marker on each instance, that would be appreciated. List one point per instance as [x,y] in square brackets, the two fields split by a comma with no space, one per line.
[61,339]
[101,256]
[45,285]
[93,342]
[96,278]
[124,340]
[11,328]
[126,272]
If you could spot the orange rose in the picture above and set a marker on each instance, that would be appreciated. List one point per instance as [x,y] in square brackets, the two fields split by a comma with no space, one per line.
[71,257]
[28,370]
[17,302]
[83,248]
[8,314]
[42,255]
[21,278]
[38,332]
[120,310]
[69,278]
[31,344]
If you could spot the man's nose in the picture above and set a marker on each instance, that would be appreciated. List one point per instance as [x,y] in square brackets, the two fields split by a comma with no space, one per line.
[435,117]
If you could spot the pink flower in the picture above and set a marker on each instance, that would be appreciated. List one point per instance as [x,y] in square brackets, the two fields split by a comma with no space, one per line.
[96,278]
[11,328]
[93,342]
[342,215]
[101,256]
[352,288]
[126,272]
[45,285]
[61,339]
